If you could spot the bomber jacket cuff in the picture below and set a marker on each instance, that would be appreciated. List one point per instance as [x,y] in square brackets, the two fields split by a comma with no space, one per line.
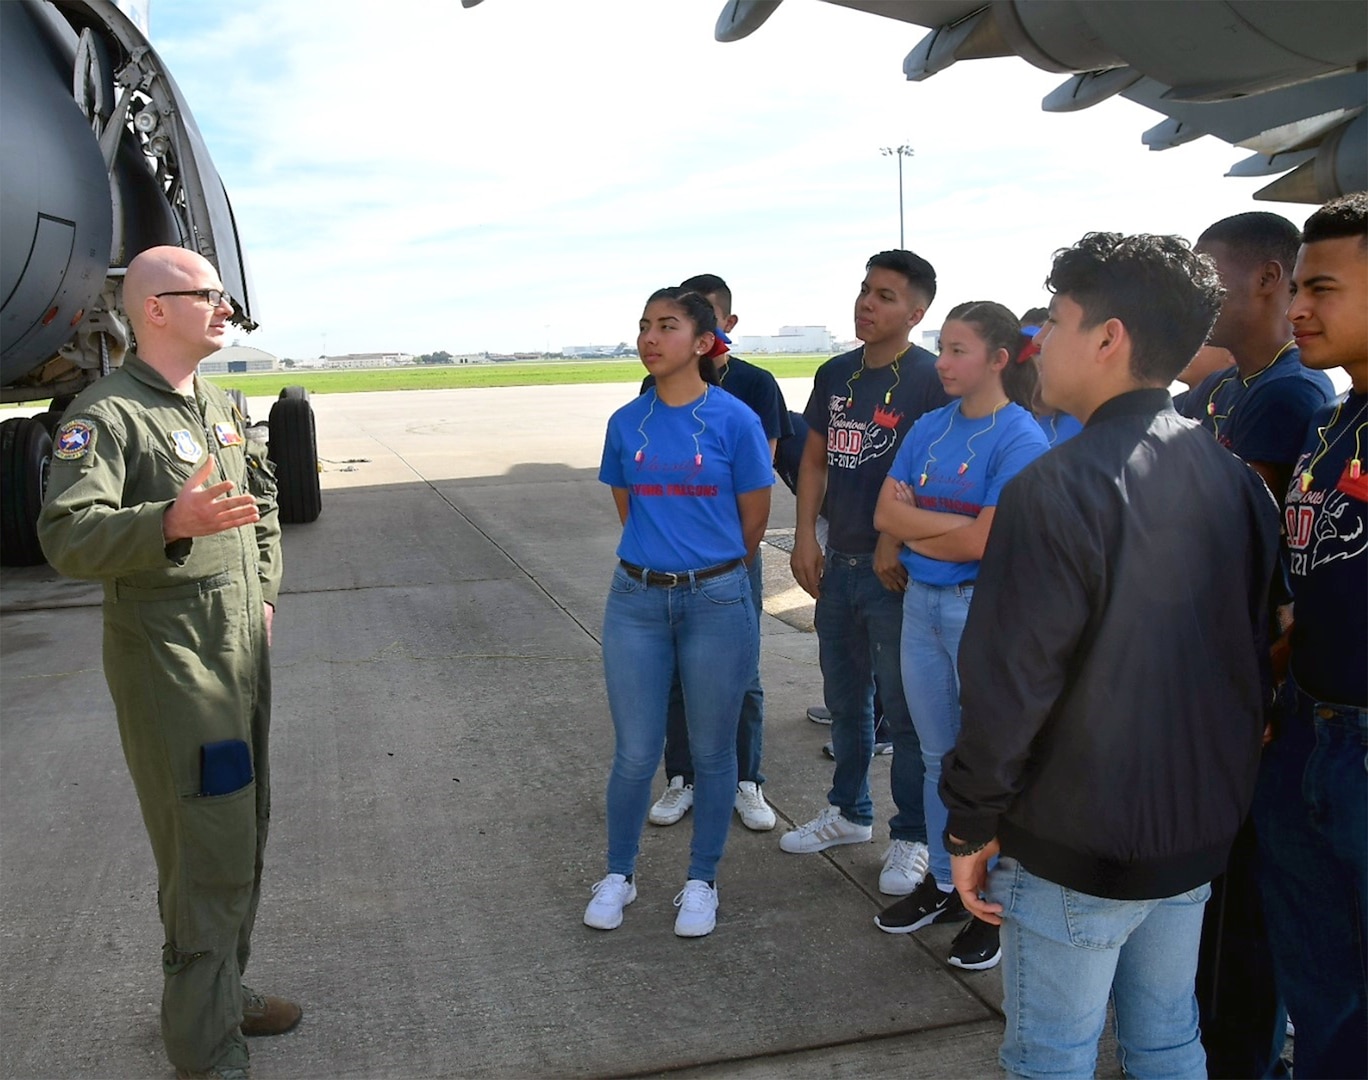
[972,828]
[270,589]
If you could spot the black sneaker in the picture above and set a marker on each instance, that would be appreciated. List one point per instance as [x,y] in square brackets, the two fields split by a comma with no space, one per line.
[921,908]
[976,947]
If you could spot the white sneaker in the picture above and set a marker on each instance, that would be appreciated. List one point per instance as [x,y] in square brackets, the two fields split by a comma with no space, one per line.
[750,804]
[673,804]
[611,895]
[826,830]
[697,903]
[905,865]
[819,714]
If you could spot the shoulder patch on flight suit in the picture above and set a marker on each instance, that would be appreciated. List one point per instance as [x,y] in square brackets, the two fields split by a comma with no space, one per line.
[186,447]
[74,440]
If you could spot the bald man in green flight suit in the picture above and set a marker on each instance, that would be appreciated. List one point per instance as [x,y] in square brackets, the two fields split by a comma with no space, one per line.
[156,493]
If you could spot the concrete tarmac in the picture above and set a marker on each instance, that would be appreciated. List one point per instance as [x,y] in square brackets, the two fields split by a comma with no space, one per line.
[440,747]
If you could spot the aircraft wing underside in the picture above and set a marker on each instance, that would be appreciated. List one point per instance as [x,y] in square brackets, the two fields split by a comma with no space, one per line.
[1283,78]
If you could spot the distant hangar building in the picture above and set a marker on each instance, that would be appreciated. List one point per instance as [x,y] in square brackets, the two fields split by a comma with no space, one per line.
[238,360]
[798,340]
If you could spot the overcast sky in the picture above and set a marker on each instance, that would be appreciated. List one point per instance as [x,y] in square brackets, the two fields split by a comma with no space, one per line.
[415,176]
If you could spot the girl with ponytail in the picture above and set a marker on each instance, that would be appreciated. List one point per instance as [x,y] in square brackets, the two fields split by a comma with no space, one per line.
[939,499]
[690,471]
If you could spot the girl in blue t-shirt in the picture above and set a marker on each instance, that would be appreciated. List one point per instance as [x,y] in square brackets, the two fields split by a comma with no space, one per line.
[691,473]
[939,499]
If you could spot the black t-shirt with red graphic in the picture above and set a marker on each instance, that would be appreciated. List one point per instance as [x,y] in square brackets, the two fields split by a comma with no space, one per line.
[863,413]
[1327,539]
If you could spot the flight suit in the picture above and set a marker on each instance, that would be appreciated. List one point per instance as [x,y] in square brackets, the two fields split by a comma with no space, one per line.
[185,657]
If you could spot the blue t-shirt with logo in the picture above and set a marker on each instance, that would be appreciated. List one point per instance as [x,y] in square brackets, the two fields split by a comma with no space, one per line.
[683,467]
[1327,541]
[1058,427]
[1262,417]
[757,388]
[966,463]
[862,414]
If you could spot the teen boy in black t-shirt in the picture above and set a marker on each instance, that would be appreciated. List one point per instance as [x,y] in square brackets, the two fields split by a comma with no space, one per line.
[1311,807]
[862,405]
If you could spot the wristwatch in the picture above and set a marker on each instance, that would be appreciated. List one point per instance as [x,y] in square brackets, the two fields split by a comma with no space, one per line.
[958,850]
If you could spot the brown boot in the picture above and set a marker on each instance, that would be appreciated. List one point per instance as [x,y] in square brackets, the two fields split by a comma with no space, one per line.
[266,1015]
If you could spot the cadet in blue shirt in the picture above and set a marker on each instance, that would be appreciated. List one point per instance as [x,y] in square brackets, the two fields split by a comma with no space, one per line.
[690,473]
[1259,408]
[939,500]
[757,388]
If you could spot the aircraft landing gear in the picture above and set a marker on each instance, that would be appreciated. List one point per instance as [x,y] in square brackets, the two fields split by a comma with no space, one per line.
[25,453]
[294,452]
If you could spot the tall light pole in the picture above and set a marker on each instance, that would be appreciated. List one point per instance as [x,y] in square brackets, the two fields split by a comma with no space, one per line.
[899,152]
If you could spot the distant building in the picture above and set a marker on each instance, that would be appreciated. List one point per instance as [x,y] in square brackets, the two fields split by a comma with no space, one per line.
[931,340]
[367,360]
[577,352]
[238,360]
[790,339]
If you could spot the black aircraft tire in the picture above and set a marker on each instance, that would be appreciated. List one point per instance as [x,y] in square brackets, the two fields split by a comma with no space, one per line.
[25,451]
[291,393]
[294,452]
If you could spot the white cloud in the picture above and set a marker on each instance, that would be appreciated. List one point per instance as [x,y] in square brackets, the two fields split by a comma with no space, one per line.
[415,175]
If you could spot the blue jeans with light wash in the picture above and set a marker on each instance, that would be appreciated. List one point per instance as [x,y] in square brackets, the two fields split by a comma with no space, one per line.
[705,631]
[1311,818]
[859,627]
[933,623]
[1065,953]
[750,737]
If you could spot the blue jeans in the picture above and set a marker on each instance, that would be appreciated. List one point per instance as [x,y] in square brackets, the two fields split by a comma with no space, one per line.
[933,623]
[750,737]
[1064,953]
[1309,812]
[859,627]
[705,631]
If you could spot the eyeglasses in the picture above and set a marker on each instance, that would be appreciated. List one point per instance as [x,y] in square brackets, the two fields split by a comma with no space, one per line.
[215,297]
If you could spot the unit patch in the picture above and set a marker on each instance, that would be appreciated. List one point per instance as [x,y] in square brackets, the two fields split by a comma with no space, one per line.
[227,435]
[186,447]
[74,440]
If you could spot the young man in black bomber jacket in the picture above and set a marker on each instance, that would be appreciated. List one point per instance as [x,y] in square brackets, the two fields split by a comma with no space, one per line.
[1114,675]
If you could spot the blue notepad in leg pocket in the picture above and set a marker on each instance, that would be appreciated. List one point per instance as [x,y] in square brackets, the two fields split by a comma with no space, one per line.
[225,767]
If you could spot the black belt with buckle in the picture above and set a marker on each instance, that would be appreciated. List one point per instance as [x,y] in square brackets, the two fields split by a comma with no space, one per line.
[669,581]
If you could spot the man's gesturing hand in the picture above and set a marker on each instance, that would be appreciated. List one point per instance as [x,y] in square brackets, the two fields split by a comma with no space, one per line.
[204,511]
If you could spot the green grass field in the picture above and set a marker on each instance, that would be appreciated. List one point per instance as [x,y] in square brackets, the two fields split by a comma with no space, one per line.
[461,376]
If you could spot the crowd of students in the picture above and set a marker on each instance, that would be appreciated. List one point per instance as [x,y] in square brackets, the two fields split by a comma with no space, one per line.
[1121,660]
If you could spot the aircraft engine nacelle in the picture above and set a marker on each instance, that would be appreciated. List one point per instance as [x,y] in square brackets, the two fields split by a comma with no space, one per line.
[101,159]
[56,216]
